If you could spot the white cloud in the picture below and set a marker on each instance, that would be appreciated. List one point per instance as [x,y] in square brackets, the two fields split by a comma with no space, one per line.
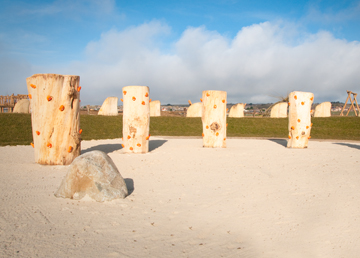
[261,61]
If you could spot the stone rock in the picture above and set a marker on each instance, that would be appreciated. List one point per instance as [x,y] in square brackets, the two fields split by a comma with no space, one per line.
[95,174]
[195,110]
[109,107]
[22,106]
[279,110]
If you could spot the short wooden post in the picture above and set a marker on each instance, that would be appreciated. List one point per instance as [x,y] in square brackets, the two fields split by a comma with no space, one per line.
[54,102]
[22,106]
[323,110]
[136,119]
[109,107]
[194,110]
[279,110]
[155,108]
[299,119]
[214,118]
[237,110]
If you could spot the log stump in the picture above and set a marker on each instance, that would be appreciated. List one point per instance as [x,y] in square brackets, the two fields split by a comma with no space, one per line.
[22,106]
[109,107]
[214,118]
[279,110]
[195,110]
[237,110]
[299,119]
[323,110]
[155,108]
[54,103]
[136,119]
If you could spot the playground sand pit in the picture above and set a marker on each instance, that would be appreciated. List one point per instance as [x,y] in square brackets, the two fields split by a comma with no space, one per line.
[255,198]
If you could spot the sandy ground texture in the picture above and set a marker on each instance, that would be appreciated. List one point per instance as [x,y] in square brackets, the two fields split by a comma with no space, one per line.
[255,198]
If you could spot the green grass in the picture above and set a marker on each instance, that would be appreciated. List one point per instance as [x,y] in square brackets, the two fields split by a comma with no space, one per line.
[100,127]
[15,129]
[257,127]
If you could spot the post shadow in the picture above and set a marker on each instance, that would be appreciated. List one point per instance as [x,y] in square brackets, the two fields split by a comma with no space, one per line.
[348,145]
[282,142]
[107,148]
[154,144]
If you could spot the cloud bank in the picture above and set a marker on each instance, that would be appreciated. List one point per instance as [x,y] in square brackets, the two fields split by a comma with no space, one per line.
[261,61]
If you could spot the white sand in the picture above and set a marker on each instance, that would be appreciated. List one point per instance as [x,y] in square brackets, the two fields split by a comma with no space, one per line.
[255,198]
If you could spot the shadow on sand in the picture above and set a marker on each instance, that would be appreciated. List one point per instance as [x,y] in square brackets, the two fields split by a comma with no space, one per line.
[348,145]
[107,148]
[154,144]
[282,142]
[130,185]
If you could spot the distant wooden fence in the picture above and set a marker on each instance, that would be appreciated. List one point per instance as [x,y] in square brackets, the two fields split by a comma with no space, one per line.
[9,101]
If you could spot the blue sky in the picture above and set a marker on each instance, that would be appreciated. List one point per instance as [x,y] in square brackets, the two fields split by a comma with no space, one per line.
[254,50]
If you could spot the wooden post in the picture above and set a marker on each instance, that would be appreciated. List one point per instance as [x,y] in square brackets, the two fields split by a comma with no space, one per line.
[237,110]
[323,110]
[349,96]
[352,101]
[155,108]
[299,119]
[22,106]
[279,110]
[195,110]
[109,107]
[214,118]
[357,105]
[136,119]
[54,101]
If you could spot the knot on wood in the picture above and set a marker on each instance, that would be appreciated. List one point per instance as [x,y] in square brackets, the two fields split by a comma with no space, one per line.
[215,127]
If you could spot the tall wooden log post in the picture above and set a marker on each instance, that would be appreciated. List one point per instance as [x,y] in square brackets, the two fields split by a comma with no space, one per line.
[136,119]
[54,102]
[214,118]
[299,119]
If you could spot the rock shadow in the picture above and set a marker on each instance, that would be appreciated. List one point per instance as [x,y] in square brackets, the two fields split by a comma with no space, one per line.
[282,142]
[107,148]
[130,185]
[348,145]
[154,144]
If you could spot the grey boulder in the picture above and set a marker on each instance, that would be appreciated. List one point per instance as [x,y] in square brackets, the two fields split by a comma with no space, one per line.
[95,174]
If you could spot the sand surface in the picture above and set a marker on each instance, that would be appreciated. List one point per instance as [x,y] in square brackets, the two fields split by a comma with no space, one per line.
[255,198]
